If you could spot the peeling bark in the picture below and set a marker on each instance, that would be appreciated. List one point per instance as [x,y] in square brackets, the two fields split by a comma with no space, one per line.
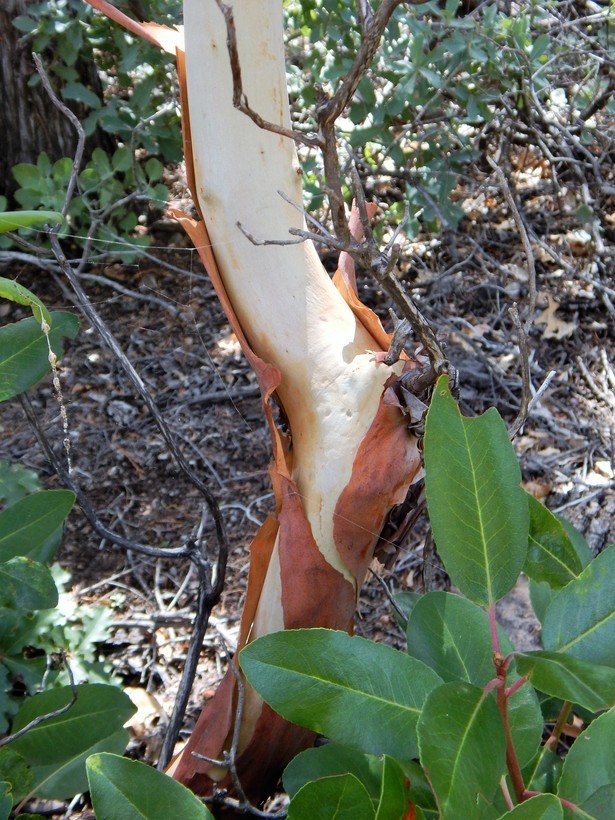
[348,458]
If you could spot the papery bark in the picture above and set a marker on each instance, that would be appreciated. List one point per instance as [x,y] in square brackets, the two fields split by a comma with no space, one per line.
[348,457]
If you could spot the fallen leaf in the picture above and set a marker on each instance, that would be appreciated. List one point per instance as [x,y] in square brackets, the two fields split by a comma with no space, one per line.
[539,489]
[556,328]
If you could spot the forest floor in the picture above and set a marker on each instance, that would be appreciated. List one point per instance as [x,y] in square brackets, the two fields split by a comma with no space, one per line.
[164,313]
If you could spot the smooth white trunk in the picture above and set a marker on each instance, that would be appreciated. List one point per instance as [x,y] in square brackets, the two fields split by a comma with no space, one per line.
[291,313]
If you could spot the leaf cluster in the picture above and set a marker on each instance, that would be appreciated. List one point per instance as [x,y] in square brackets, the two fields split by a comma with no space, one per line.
[39,623]
[132,100]
[454,726]
[447,86]
[110,189]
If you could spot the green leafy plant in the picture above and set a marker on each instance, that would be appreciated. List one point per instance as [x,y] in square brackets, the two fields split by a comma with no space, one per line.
[111,187]
[455,725]
[54,726]
[75,34]
[141,116]
[442,76]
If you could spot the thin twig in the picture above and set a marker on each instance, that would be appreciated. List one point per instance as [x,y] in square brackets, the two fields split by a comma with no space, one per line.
[87,308]
[525,240]
[69,482]
[526,389]
[390,598]
[78,156]
[48,715]
[205,604]
[240,100]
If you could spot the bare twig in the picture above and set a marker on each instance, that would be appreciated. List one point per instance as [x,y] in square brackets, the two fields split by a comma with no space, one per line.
[240,100]
[72,183]
[527,247]
[241,802]
[390,598]
[109,339]
[526,389]
[48,715]
[68,481]
[205,603]
[602,394]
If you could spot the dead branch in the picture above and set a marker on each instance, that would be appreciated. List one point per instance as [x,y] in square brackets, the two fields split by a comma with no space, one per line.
[240,100]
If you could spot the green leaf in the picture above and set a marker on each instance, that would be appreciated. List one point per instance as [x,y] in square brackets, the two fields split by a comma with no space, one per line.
[578,541]
[581,617]
[56,749]
[551,555]
[15,771]
[341,797]
[588,775]
[6,800]
[16,481]
[14,292]
[26,525]
[131,790]
[77,91]
[569,678]
[477,509]
[349,689]
[462,747]
[394,800]
[452,636]
[544,772]
[14,220]
[333,759]
[541,596]
[24,354]
[31,584]
[540,807]
[420,791]
[406,602]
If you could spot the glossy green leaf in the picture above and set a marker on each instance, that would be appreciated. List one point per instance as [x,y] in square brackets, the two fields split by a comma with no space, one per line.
[26,525]
[349,689]
[24,354]
[14,292]
[452,636]
[581,617]
[394,800]
[341,797]
[588,775]
[333,759]
[541,594]
[57,748]
[28,584]
[569,678]
[122,788]
[540,807]
[462,747]
[551,556]
[544,772]
[14,220]
[477,509]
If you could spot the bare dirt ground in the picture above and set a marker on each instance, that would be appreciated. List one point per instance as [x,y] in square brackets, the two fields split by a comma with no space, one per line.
[169,323]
